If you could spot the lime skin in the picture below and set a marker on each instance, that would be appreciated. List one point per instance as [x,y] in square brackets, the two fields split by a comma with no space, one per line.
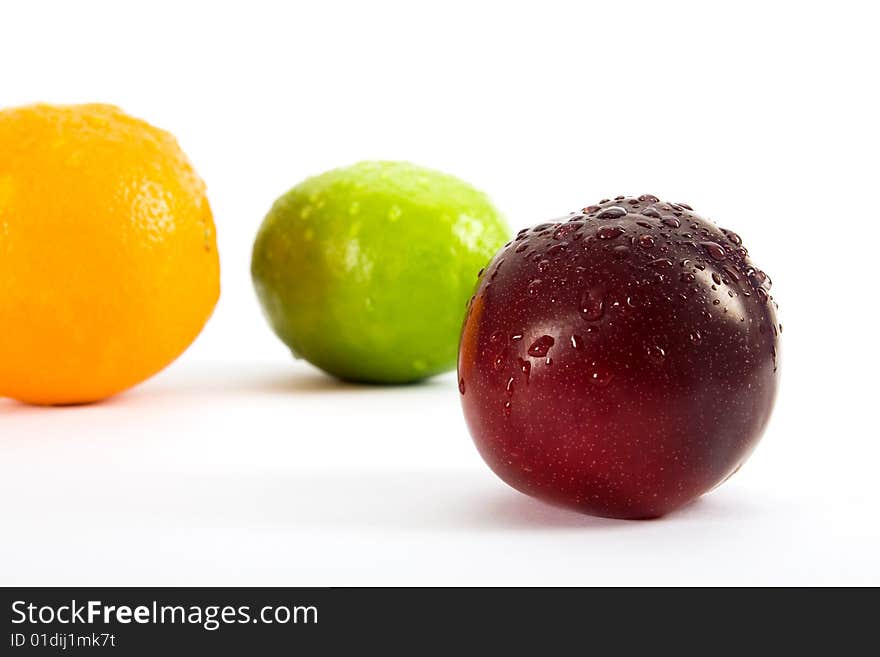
[365,271]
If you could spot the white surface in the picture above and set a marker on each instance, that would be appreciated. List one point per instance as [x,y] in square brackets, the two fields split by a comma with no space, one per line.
[276,475]
[237,466]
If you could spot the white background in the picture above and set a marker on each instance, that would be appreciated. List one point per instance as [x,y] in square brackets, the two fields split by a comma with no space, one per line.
[239,466]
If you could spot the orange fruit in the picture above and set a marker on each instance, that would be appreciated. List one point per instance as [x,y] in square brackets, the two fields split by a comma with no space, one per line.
[108,258]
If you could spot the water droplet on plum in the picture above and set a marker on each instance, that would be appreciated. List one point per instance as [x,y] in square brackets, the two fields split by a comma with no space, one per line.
[715,250]
[620,252]
[526,367]
[614,212]
[541,346]
[592,304]
[609,232]
[656,353]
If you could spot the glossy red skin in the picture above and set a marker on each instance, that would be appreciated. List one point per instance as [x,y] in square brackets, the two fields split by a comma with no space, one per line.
[639,406]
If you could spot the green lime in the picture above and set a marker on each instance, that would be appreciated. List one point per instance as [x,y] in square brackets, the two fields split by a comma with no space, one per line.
[365,271]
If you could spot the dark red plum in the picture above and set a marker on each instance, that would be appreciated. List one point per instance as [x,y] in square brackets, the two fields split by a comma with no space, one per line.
[621,361]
